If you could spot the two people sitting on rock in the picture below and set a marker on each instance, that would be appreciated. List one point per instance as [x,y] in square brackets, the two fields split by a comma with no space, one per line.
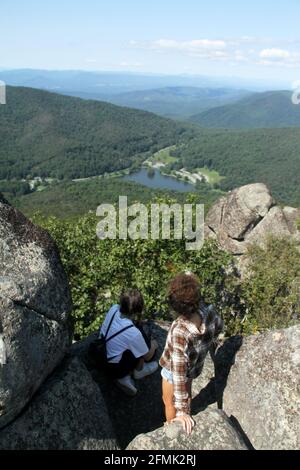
[130,351]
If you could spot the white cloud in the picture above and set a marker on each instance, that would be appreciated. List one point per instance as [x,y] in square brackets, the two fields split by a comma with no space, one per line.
[194,45]
[91,61]
[274,54]
[202,48]
[130,64]
[204,44]
[279,57]
[244,49]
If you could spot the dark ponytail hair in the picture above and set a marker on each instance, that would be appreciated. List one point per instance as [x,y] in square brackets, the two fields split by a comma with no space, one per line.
[131,303]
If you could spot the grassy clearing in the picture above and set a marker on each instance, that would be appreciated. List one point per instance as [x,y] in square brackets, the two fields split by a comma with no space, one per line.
[213,176]
[163,155]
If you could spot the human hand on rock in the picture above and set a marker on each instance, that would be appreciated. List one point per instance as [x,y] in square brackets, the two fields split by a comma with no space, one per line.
[187,422]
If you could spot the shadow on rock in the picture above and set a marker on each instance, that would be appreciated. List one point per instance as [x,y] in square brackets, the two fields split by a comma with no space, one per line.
[224,360]
[130,416]
[205,398]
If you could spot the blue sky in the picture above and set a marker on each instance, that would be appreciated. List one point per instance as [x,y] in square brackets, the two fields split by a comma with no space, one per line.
[252,39]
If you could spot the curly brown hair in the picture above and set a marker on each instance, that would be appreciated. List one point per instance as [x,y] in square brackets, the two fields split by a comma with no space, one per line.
[184,294]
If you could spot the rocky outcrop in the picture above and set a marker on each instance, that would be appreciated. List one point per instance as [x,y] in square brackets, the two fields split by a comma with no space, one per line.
[212,431]
[35,304]
[256,384]
[247,216]
[50,400]
[262,391]
[67,413]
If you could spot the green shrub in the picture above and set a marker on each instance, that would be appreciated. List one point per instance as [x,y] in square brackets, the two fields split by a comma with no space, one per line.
[271,291]
[99,270]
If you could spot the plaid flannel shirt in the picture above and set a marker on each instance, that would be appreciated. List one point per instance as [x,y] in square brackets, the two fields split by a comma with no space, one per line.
[184,355]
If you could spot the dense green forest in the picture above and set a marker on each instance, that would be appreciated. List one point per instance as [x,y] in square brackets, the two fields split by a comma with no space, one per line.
[14,188]
[49,135]
[46,134]
[270,156]
[271,109]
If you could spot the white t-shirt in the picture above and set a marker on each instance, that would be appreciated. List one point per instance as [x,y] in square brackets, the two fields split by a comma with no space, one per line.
[131,339]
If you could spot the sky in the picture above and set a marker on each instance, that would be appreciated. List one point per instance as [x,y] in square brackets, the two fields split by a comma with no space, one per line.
[251,39]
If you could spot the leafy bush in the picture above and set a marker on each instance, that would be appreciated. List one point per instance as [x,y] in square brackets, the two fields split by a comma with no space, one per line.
[271,292]
[99,270]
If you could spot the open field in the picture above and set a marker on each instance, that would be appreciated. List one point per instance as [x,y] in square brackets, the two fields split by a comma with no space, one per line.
[212,176]
[163,156]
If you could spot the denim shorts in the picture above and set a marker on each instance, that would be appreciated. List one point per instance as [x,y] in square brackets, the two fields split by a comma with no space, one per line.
[167,375]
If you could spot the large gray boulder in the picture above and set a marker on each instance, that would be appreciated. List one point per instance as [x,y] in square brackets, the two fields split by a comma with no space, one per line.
[35,306]
[274,223]
[213,431]
[233,217]
[67,413]
[248,215]
[263,388]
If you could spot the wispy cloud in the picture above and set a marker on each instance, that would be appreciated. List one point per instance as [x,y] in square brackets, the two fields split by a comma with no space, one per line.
[282,57]
[91,60]
[124,63]
[274,54]
[203,48]
[234,50]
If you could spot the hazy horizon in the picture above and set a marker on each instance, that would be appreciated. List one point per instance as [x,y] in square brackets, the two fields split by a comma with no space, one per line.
[211,81]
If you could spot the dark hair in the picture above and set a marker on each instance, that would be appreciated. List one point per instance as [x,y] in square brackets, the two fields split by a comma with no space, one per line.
[131,302]
[184,294]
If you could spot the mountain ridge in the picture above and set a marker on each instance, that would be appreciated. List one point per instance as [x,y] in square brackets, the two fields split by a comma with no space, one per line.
[50,135]
[272,109]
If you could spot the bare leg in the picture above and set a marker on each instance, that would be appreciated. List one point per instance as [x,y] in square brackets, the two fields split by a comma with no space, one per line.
[168,399]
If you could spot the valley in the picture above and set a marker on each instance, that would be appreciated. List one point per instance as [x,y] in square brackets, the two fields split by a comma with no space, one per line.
[53,141]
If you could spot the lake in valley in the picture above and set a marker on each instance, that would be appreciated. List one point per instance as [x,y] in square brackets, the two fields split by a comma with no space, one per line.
[159,181]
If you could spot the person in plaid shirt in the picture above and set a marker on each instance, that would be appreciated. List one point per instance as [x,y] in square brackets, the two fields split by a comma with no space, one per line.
[189,339]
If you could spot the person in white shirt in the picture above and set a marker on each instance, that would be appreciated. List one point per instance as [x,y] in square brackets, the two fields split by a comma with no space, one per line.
[129,351]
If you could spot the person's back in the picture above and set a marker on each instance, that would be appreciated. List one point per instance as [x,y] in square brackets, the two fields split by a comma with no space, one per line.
[188,341]
[131,339]
[129,350]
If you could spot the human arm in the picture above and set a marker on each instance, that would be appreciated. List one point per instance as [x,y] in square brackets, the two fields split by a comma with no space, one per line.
[181,384]
[179,371]
[148,356]
[151,352]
